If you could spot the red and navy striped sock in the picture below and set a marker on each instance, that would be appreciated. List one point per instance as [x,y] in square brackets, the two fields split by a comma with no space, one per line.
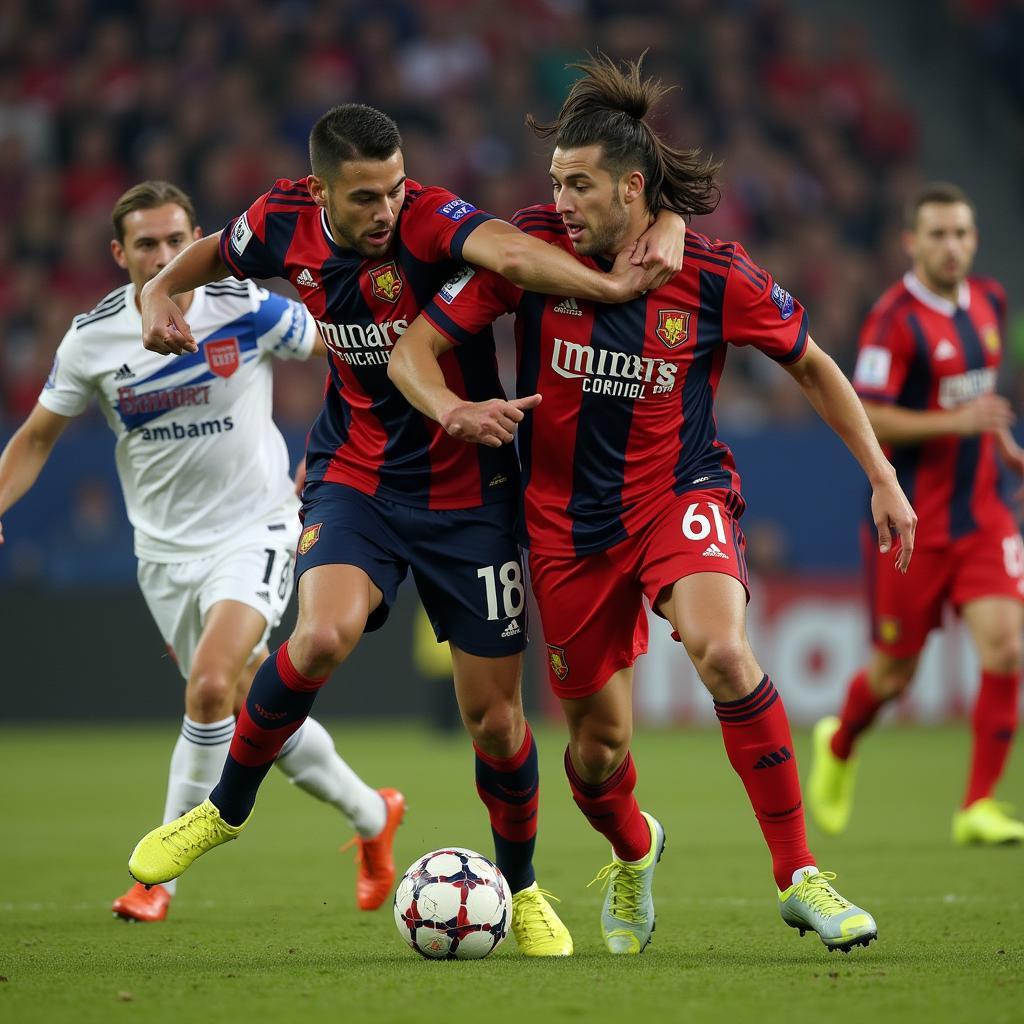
[611,808]
[508,787]
[278,703]
[858,713]
[994,723]
[760,748]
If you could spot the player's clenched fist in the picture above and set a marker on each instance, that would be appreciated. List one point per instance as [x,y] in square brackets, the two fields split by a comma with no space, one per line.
[493,422]
[164,329]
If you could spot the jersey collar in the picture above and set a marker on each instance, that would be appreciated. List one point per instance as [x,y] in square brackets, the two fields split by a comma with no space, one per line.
[922,293]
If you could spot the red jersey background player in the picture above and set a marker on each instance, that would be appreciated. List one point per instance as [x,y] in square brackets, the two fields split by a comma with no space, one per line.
[628,494]
[386,490]
[929,355]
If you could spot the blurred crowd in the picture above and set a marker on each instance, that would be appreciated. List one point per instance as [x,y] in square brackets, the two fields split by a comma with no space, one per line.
[818,146]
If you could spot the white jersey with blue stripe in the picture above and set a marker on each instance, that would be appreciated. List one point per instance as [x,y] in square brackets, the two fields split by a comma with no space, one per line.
[198,454]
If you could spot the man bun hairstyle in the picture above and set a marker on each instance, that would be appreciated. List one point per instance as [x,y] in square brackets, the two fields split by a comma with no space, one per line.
[608,107]
[352,131]
[148,195]
[944,192]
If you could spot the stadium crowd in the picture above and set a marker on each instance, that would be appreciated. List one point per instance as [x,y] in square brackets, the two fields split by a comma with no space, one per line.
[817,144]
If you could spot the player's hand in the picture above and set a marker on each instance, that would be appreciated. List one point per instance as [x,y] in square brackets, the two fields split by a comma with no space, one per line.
[492,423]
[300,477]
[984,415]
[659,250]
[164,328]
[892,514]
[626,279]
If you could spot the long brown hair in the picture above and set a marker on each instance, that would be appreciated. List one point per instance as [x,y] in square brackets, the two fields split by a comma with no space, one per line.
[608,107]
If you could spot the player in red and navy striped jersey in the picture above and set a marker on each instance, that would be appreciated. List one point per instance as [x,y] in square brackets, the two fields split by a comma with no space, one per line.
[629,494]
[926,372]
[386,489]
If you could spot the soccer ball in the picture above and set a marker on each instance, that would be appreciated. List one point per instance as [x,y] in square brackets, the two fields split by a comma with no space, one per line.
[453,904]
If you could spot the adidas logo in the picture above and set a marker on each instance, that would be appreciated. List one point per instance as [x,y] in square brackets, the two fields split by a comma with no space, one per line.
[775,758]
[305,279]
[512,629]
[263,595]
[570,307]
[714,551]
[124,373]
[945,349]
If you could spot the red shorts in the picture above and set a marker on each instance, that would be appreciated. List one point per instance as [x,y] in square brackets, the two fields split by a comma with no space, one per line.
[905,609]
[591,607]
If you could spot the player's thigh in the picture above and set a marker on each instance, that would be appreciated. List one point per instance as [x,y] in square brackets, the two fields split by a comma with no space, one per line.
[350,559]
[995,624]
[904,607]
[171,592]
[469,574]
[593,619]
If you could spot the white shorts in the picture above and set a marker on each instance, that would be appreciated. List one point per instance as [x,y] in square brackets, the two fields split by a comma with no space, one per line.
[258,570]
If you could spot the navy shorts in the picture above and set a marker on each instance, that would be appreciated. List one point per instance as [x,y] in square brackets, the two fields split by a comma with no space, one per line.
[466,562]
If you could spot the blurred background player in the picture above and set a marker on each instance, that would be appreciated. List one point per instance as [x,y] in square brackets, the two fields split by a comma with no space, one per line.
[205,478]
[386,490]
[629,494]
[929,357]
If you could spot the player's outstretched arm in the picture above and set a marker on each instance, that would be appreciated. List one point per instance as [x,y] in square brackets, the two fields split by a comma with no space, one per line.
[164,327]
[537,266]
[415,371]
[26,453]
[896,425]
[837,404]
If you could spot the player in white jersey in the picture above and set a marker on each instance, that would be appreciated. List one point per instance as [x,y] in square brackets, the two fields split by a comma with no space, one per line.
[206,483]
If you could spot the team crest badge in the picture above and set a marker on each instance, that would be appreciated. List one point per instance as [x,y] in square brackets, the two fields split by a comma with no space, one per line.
[310,535]
[889,629]
[990,337]
[222,356]
[673,326]
[386,282]
[556,655]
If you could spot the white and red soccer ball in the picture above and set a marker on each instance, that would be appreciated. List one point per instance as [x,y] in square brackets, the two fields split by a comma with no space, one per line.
[453,904]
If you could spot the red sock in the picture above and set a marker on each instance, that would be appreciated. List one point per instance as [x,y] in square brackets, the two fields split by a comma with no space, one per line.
[612,809]
[994,722]
[858,713]
[760,748]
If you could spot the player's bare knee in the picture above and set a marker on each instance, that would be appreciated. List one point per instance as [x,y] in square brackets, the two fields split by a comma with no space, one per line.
[316,648]
[1003,654]
[597,754]
[210,694]
[890,677]
[497,729]
[727,668]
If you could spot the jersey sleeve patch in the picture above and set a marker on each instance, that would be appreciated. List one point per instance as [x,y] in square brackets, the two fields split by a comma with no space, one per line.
[456,209]
[241,234]
[873,366]
[783,300]
[451,288]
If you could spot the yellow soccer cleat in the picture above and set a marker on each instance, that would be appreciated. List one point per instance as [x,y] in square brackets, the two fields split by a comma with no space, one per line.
[986,822]
[538,929]
[167,851]
[830,785]
[812,905]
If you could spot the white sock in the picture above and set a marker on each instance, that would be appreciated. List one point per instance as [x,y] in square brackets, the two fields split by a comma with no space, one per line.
[196,763]
[310,761]
[798,875]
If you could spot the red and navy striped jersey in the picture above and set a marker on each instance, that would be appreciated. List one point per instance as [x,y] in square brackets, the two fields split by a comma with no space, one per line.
[627,421]
[367,435]
[924,352]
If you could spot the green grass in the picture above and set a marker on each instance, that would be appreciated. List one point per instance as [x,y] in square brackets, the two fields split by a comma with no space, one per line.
[266,930]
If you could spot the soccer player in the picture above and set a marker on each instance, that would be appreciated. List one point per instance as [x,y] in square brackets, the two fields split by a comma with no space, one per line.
[627,491]
[205,477]
[926,373]
[386,489]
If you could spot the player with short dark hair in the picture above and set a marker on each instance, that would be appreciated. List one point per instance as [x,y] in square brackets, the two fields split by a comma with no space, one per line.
[629,494]
[205,477]
[386,489]
[929,356]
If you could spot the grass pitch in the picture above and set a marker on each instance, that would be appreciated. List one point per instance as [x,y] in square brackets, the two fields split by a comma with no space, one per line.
[265,929]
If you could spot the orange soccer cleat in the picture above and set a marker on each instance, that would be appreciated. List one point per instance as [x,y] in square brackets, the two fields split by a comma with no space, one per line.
[142,904]
[376,872]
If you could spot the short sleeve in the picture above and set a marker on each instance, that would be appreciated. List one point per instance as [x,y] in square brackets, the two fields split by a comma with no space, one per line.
[244,242]
[284,328]
[68,389]
[757,311]
[436,224]
[884,355]
[469,301]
